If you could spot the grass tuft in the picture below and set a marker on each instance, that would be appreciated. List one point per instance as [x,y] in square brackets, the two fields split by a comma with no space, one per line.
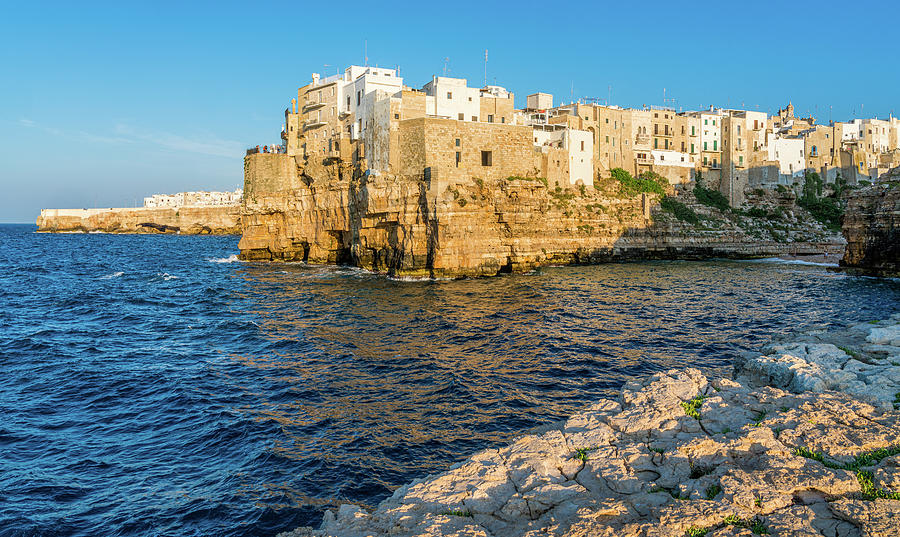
[712,491]
[692,407]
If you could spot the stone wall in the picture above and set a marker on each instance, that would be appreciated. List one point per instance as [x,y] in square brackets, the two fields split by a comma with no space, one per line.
[222,220]
[871,225]
[448,225]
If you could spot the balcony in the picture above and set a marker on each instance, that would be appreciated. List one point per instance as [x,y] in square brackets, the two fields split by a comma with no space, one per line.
[313,124]
[668,133]
[642,139]
[648,159]
[313,106]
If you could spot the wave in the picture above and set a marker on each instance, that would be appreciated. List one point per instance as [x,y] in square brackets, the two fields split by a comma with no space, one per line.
[779,261]
[233,258]
[111,276]
[165,276]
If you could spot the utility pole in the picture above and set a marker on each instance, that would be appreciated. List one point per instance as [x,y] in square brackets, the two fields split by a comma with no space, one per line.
[485,68]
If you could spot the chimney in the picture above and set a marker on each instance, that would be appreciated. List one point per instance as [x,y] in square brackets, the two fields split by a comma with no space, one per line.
[315,79]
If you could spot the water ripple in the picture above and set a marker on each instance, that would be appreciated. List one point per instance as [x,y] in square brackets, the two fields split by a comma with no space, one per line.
[154,386]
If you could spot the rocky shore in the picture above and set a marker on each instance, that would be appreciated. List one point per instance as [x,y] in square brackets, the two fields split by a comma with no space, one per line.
[804,439]
[217,220]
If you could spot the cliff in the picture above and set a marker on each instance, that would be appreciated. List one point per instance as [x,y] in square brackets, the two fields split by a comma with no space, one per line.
[803,441]
[871,226]
[431,226]
[219,220]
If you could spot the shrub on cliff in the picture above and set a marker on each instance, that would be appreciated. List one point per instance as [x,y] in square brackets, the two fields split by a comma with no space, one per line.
[651,183]
[828,209]
[711,198]
[679,210]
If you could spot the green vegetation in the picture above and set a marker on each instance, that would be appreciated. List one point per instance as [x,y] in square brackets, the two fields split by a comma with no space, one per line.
[850,352]
[542,180]
[480,182]
[869,458]
[712,491]
[755,525]
[711,198]
[649,182]
[692,407]
[457,512]
[679,210]
[897,396]
[757,501]
[757,419]
[582,453]
[872,492]
[582,190]
[827,210]
[586,228]
[562,196]
[696,531]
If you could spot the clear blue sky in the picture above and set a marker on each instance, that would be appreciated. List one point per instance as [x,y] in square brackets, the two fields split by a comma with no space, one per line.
[104,103]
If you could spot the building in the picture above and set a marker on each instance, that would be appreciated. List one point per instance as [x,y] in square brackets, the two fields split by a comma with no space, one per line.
[194,199]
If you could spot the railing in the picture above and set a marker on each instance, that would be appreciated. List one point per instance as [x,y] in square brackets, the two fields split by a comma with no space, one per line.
[313,123]
[642,139]
[313,105]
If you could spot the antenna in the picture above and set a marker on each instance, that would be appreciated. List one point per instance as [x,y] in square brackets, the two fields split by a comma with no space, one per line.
[366,51]
[608,94]
[485,66]
[446,70]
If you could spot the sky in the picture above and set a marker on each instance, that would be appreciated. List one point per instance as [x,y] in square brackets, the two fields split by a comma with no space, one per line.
[102,104]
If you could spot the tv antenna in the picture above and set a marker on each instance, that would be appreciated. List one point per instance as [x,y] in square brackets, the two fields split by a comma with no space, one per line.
[446,68]
[485,66]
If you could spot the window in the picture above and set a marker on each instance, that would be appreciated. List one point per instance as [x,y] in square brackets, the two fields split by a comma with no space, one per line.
[715,145]
[706,122]
[655,115]
[607,139]
[486,158]
[814,151]
[682,147]
[358,97]
[474,118]
[704,161]
[739,130]
[692,131]
[582,143]
[656,143]
[615,125]
[682,129]
[714,122]
[692,148]
[396,116]
[470,99]
[462,117]
[348,103]
[741,161]
[457,141]
[490,118]
[458,157]
[704,146]
[502,119]
[614,142]
[449,94]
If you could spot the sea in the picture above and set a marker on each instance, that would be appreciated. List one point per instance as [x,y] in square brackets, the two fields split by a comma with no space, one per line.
[155,385]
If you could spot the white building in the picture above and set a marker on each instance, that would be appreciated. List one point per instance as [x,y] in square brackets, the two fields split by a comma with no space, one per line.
[452,98]
[194,199]
[788,151]
[578,145]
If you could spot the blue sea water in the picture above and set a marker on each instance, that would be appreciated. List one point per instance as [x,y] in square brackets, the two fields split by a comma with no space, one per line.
[153,385]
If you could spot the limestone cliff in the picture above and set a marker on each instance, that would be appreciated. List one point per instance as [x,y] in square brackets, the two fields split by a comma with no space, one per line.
[221,220]
[871,226]
[433,227]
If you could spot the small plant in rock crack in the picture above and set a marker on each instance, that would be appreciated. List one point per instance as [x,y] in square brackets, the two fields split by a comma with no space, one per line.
[757,501]
[755,525]
[696,531]
[726,430]
[582,453]
[655,488]
[657,450]
[758,419]
[783,409]
[692,407]
[712,491]
[458,512]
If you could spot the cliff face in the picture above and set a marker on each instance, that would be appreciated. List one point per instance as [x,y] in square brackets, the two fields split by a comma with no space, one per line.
[224,220]
[871,226]
[415,226]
